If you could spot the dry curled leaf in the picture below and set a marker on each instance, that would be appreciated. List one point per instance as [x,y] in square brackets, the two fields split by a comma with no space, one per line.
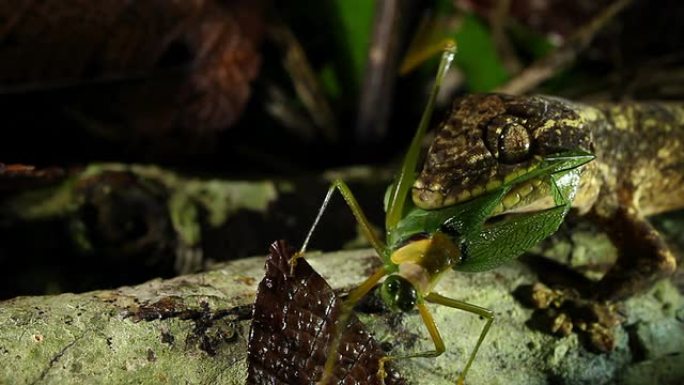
[131,69]
[293,320]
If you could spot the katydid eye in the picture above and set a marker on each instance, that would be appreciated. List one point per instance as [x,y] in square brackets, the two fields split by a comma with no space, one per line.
[398,293]
[392,286]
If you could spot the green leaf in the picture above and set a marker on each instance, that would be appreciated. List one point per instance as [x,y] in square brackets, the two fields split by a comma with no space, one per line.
[556,163]
[356,17]
[535,44]
[330,82]
[461,219]
[565,185]
[477,56]
[504,241]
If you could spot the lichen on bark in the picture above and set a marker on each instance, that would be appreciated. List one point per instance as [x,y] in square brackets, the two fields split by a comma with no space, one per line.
[193,329]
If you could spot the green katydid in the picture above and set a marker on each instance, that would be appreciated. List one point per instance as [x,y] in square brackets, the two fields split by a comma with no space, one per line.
[422,244]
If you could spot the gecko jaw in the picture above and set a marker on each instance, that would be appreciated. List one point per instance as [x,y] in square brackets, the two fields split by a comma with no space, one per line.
[433,196]
[526,196]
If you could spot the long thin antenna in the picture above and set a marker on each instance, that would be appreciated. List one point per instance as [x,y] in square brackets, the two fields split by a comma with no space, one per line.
[407,173]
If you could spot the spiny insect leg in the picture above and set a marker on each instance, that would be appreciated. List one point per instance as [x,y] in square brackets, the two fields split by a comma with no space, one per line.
[434,335]
[361,219]
[349,198]
[482,312]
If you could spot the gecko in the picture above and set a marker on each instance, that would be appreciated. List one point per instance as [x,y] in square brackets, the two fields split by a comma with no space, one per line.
[638,171]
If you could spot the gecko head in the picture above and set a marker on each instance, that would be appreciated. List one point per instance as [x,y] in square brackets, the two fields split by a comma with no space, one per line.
[491,140]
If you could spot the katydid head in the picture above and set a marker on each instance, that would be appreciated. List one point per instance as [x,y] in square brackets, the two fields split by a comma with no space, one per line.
[494,140]
[398,293]
[420,261]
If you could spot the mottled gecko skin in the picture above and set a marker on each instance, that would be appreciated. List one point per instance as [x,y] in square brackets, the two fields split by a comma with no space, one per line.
[640,155]
[638,170]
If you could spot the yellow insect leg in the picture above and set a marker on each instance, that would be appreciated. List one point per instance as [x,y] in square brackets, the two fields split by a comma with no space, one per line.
[434,335]
[353,204]
[341,323]
[482,312]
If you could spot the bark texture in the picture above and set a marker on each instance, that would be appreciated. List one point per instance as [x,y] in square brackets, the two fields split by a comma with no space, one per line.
[193,329]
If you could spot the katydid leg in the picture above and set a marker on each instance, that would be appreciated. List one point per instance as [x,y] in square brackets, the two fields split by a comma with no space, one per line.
[341,323]
[362,289]
[482,312]
[361,219]
[434,335]
[351,201]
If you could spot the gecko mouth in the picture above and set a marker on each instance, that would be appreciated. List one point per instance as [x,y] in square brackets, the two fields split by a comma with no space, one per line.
[529,184]
[435,196]
[530,195]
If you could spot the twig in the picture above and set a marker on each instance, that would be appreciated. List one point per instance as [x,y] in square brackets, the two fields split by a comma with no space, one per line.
[304,79]
[499,19]
[375,98]
[549,65]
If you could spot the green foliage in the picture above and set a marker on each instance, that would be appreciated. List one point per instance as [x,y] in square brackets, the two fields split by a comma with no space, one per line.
[477,56]
[531,42]
[356,18]
[330,82]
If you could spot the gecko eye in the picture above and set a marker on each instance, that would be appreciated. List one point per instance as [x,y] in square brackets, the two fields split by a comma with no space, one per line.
[508,140]
[398,293]
[514,143]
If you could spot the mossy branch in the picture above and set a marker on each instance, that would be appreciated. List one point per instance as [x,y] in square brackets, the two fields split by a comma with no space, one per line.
[194,329]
